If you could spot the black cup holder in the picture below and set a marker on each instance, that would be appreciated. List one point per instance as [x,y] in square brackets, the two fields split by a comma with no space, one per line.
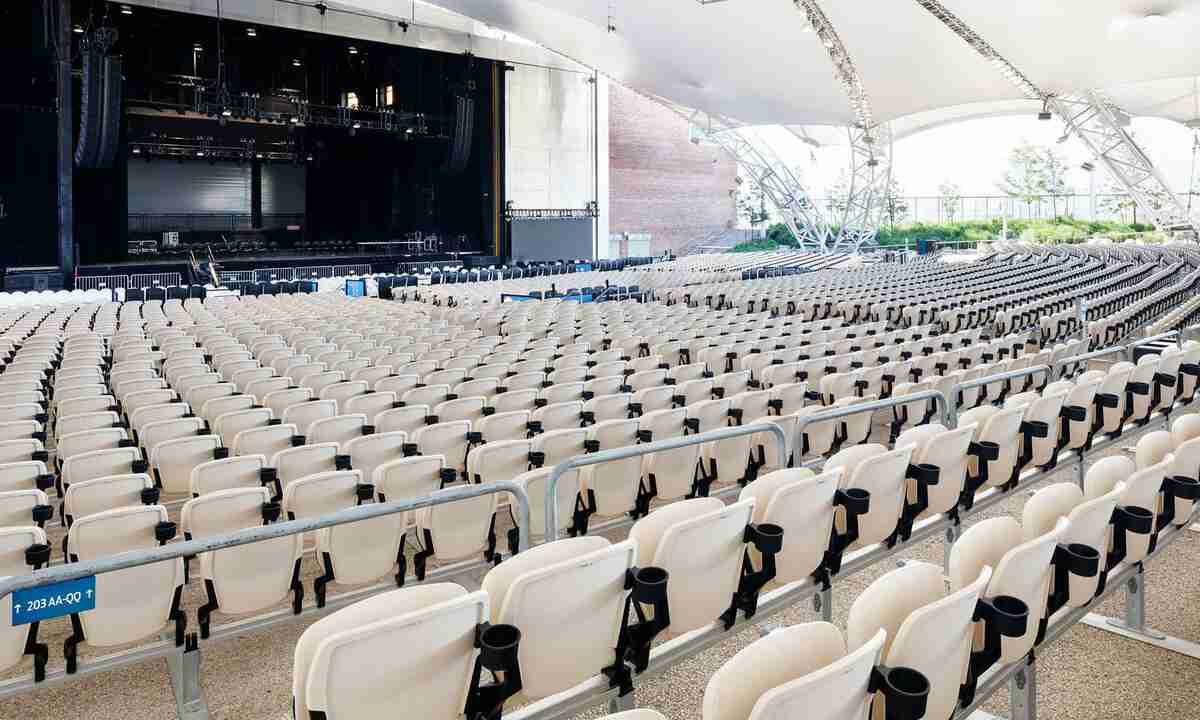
[42,513]
[37,554]
[988,450]
[364,492]
[857,501]
[1135,519]
[164,531]
[1185,488]
[1082,560]
[498,644]
[150,496]
[928,473]
[271,511]
[1011,615]
[650,585]
[906,691]
[768,538]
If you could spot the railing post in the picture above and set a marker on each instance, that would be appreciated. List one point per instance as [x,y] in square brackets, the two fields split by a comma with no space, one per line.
[183,667]
[1022,692]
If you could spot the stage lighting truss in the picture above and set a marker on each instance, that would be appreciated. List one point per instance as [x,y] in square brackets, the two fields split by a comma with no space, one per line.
[215,103]
[843,65]
[1098,123]
[202,147]
[1101,127]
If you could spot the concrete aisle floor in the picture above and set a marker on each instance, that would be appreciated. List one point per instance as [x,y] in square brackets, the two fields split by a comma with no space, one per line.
[1088,674]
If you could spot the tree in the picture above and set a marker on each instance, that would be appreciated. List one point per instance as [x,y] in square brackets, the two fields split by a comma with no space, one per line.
[839,194]
[951,196]
[751,203]
[1054,170]
[895,205]
[1025,178]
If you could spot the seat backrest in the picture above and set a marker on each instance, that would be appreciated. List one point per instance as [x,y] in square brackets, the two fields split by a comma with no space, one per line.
[265,441]
[356,645]
[304,414]
[294,463]
[104,493]
[172,460]
[798,671]
[700,543]
[238,471]
[99,463]
[566,597]
[800,502]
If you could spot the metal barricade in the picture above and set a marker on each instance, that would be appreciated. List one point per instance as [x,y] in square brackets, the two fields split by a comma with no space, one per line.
[147,280]
[360,269]
[272,274]
[101,282]
[312,272]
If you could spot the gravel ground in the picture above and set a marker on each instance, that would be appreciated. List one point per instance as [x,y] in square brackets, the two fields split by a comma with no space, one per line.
[1087,674]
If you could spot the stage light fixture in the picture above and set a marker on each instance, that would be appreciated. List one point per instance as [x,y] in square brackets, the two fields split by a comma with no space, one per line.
[403,25]
[199,153]
[197,47]
[259,156]
[310,157]
[321,8]
[126,10]
[295,62]
[294,120]
[226,112]
[77,29]
[356,125]
[251,32]
[137,151]
[353,50]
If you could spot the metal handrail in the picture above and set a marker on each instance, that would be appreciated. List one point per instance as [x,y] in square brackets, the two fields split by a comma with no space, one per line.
[948,415]
[624,453]
[170,551]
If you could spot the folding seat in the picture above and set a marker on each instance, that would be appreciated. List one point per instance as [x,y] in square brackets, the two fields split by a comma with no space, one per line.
[238,471]
[946,450]
[218,406]
[284,366]
[22,508]
[1111,400]
[106,493]
[230,368]
[406,419]
[244,378]
[451,440]
[370,404]
[612,487]
[27,475]
[1040,432]
[515,400]
[606,407]
[22,450]
[340,392]
[228,425]
[171,461]
[22,430]
[1021,562]
[332,654]
[151,434]
[429,395]
[367,452]
[304,414]
[1189,370]
[465,408]
[884,475]
[134,603]
[369,374]
[667,474]
[994,456]
[562,392]
[265,441]
[196,396]
[1166,379]
[260,389]
[494,370]
[788,398]
[145,398]
[338,429]
[87,440]
[819,437]
[1086,539]
[320,381]
[1141,397]
[594,570]
[505,426]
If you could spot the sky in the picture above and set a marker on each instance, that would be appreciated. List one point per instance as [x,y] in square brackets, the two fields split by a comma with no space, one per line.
[974,154]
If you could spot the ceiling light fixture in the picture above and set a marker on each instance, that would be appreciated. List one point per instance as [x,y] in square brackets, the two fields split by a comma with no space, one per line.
[126,10]
[295,62]
[251,32]
[353,50]
[77,29]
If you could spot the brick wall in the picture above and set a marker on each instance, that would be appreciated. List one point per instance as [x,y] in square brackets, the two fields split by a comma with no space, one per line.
[660,183]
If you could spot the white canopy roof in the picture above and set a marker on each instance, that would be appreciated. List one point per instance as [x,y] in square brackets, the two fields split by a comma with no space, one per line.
[753,61]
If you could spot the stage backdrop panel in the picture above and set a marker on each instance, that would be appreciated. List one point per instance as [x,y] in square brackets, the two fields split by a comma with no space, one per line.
[564,239]
[173,188]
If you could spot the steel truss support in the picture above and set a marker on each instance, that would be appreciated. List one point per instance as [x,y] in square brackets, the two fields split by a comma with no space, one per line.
[1100,125]
[1095,121]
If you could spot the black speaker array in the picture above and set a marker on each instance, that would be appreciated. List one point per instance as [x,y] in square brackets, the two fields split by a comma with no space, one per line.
[91,107]
[99,108]
[464,128]
[111,129]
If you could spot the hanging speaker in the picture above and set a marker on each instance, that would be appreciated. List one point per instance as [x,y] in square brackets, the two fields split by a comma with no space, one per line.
[460,144]
[111,125]
[91,108]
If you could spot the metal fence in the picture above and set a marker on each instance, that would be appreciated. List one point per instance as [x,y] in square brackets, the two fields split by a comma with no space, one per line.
[942,209]
[313,272]
[167,279]
[361,269]
[236,276]
[101,282]
[269,274]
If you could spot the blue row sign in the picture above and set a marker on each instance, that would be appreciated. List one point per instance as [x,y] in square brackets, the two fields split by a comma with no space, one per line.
[51,601]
